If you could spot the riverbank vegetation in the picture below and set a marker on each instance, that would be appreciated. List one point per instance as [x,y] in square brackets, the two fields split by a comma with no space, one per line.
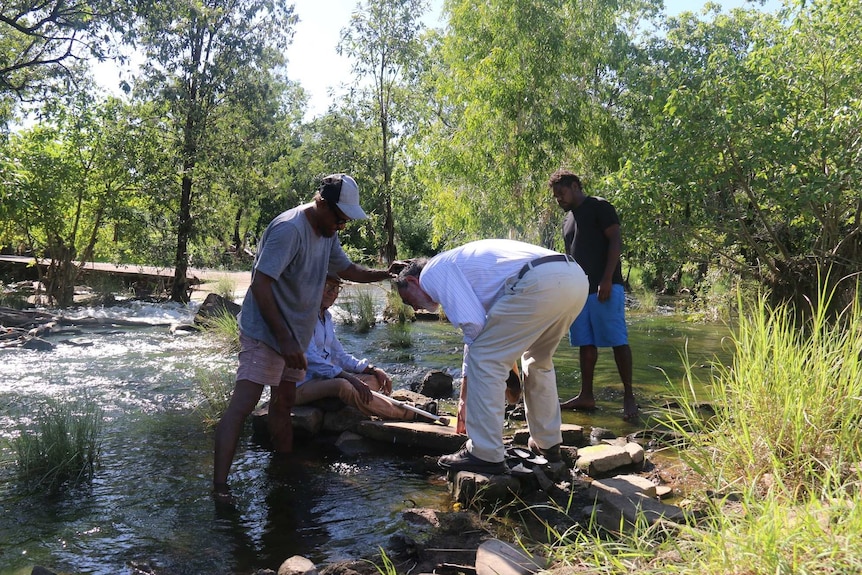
[727,140]
[776,466]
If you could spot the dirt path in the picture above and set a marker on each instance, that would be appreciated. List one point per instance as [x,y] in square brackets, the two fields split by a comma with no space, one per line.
[210,280]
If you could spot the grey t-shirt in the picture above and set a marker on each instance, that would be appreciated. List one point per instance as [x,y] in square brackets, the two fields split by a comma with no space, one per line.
[297,259]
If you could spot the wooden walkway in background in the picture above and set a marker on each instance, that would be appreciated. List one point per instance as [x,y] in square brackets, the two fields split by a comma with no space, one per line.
[150,276]
[129,271]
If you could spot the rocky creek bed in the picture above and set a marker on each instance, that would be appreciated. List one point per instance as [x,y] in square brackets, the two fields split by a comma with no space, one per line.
[607,479]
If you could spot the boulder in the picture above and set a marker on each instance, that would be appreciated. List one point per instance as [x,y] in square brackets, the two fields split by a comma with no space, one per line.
[215,305]
[436,384]
[636,451]
[621,513]
[297,565]
[342,420]
[37,344]
[599,460]
[471,489]
[351,443]
[307,421]
[600,435]
[421,517]
[573,435]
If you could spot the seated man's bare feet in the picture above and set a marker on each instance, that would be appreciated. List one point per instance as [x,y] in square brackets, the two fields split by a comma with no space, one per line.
[630,408]
[579,403]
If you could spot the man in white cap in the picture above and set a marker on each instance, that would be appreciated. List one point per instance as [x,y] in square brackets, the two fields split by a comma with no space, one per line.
[297,250]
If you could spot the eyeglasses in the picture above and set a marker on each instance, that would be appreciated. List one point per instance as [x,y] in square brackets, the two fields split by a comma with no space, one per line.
[340,218]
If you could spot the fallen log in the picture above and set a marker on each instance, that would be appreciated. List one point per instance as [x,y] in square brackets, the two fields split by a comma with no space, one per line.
[11,317]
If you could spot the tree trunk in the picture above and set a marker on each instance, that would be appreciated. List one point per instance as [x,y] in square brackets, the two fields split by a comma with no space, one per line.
[389,225]
[179,289]
[237,241]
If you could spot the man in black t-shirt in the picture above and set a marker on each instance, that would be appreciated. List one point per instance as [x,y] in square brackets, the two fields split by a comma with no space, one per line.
[592,235]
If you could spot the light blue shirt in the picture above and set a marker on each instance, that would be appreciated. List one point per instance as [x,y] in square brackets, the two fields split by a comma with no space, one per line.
[326,356]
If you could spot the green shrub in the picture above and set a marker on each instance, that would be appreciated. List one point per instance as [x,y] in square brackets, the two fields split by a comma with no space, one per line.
[788,409]
[646,300]
[778,459]
[226,288]
[396,310]
[399,336]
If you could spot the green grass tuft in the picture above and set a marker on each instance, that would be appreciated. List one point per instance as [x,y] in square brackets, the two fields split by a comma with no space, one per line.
[361,312]
[63,449]
[779,462]
[216,388]
[224,328]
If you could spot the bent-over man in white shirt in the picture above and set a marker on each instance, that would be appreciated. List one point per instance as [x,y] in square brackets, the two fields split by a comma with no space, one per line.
[510,299]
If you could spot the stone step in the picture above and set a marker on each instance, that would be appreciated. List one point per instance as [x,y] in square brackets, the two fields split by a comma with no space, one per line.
[427,437]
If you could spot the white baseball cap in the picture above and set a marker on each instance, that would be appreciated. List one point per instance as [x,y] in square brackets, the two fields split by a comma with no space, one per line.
[342,190]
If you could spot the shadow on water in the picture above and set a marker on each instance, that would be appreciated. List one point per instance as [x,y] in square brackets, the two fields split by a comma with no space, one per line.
[149,509]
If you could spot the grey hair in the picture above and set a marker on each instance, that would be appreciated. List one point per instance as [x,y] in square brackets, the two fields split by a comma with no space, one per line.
[414,268]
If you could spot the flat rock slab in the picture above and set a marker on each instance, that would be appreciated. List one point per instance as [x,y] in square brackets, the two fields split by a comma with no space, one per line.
[628,485]
[620,513]
[495,557]
[428,437]
[602,459]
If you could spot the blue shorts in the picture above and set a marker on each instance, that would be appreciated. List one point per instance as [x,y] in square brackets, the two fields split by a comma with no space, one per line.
[602,324]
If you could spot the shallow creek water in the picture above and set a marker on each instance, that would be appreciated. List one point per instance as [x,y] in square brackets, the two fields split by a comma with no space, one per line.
[148,508]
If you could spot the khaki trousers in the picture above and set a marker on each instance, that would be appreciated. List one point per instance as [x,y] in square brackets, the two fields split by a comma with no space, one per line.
[528,320]
[314,389]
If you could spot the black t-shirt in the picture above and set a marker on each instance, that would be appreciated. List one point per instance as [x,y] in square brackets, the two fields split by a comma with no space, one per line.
[584,235]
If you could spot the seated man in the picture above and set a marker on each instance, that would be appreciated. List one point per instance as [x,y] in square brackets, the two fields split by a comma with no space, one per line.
[332,372]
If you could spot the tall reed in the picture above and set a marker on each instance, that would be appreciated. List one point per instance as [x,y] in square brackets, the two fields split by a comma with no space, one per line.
[225,287]
[399,336]
[216,388]
[224,328]
[788,408]
[780,458]
[63,448]
[366,314]
[396,310]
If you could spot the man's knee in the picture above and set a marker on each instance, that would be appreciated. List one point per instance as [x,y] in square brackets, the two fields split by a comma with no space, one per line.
[245,396]
[589,352]
[346,392]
